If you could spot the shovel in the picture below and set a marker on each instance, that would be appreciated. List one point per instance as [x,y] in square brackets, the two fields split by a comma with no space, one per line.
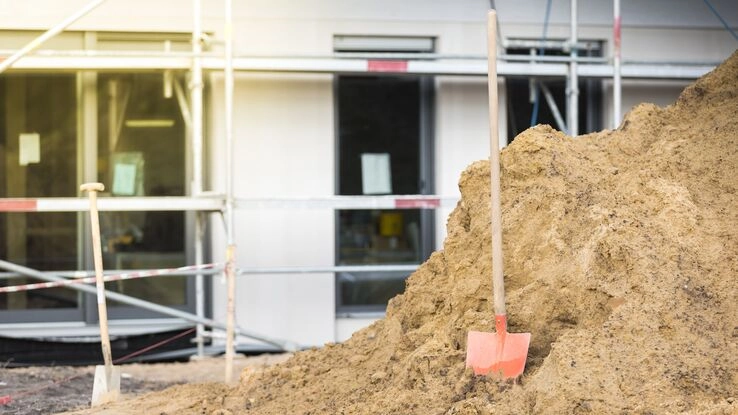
[501,354]
[106,387]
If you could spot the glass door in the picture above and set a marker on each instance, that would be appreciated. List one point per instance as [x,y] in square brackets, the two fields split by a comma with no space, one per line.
[38,158]
[141,152]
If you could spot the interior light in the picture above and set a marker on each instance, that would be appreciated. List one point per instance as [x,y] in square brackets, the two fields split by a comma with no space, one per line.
[152,123]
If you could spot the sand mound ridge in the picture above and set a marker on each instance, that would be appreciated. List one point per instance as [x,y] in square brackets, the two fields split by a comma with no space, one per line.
[621,259]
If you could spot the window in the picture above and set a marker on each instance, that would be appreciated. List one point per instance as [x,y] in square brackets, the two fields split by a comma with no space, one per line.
[55,130]
[383,148]
[38,140]
[141,152]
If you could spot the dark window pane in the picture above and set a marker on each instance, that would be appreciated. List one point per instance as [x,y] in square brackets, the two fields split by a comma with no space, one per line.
[378,118]
[141,150]
[38,158]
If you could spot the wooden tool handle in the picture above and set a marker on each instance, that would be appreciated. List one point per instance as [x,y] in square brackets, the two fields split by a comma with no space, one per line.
[92,189]
[498,280]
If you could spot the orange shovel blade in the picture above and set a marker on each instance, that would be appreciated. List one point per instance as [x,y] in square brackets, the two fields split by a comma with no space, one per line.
[500,353]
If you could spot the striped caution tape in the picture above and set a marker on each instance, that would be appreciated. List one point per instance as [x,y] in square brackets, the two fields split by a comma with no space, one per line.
[215,204]
[108,278]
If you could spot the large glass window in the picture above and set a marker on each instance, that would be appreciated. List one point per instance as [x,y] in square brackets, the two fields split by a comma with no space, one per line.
[38,158]
[124,129]
[141,152]
[383,148]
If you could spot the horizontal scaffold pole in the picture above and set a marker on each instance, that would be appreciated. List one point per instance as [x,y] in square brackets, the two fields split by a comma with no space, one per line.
[135,302]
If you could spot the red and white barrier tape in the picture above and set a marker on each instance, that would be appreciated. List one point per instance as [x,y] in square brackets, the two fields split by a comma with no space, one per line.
[383,65]
[18,205]
[351,202]
[119,204]
[108,278]
[74,204]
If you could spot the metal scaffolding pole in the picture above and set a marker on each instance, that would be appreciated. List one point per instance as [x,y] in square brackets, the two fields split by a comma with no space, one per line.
[229,87]
[147,305]
[617,87]
[552,105]
[196,87]
[230,349]
[7,63]
[89,60]
[572,92]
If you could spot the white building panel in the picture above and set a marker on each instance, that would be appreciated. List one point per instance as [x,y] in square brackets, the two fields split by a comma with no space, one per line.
[283,146]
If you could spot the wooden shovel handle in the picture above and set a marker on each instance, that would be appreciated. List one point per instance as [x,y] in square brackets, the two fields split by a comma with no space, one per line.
[102,311]
[498,280]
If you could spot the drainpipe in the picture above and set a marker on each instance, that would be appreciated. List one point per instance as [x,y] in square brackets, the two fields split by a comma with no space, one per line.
[573,80]
[7,63]
[616,84]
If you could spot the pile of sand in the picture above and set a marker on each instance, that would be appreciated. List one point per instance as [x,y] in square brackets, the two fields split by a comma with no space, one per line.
[621,259]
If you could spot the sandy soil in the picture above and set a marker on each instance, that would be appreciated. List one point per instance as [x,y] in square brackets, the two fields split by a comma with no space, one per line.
[621,259]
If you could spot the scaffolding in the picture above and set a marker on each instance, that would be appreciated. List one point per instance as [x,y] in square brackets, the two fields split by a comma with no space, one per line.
[571,67]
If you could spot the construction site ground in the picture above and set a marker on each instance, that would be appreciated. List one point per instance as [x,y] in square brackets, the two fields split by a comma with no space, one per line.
[56,389]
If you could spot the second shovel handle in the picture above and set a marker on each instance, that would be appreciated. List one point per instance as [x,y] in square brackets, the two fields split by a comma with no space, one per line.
[498,280]
[102,311]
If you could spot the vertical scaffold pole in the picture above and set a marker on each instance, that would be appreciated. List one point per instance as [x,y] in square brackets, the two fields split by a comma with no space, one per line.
[616,77]
[230,253]
[196,186]
[573,81]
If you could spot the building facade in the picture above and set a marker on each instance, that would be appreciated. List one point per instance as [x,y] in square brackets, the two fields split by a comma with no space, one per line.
[340,110]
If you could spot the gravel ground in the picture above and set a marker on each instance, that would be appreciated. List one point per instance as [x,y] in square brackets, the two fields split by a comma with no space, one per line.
[55,389]
[48,390]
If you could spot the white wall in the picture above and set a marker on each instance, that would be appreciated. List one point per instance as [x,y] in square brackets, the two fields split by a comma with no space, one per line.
[462,134]
[112,15]
[283,148]
[346,327]
[661,93]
